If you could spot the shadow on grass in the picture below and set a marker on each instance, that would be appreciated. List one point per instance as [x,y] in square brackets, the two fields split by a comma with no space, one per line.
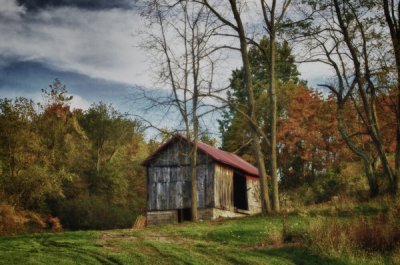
[86,253]
[300,256]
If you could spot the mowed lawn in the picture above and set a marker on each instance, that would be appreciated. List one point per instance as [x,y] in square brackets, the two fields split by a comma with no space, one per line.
[251,240]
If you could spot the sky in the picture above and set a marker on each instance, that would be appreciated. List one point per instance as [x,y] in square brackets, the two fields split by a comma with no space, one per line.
[92,46]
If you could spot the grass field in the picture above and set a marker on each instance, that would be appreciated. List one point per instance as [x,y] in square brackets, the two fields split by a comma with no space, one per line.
[252,240]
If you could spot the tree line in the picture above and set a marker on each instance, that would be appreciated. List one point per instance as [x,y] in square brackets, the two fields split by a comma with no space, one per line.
[81,166]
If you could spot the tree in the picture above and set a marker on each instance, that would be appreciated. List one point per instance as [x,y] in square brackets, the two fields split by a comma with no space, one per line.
[347,36]
[308,138]
[391,11]
[25,178]
[61,132]
[183,37]
[238,30]
[38,148]
[106,129]
[273,25]
[49,162]
[116,147]
[234,138]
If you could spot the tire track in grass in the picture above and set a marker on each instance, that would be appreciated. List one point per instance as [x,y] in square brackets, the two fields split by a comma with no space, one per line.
[168,246]
[103,259]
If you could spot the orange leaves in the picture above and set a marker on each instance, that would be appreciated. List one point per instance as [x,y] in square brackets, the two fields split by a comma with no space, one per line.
[309,130]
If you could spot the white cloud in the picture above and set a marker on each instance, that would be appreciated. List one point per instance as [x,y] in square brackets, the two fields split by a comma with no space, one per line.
[100,44]
[315,73]
[9,9]
[78,102]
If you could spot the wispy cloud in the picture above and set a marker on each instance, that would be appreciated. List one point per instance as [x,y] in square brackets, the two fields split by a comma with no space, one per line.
[100,44]
[10,10]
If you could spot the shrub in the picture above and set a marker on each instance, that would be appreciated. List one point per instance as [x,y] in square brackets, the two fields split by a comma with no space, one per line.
[380,233]
[326,186]
[14,221]
[10,222]
[320,189]
[329,234]
[275,238]
[54,224]
[34,222]
[93,212]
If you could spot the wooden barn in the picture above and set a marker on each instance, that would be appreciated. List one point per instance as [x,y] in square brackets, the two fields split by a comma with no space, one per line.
[227,185]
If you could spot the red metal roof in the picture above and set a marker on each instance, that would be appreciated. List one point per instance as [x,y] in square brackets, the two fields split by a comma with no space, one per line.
[216,154]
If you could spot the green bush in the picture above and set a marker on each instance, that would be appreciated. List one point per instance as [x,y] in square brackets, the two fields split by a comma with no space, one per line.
[93,212]
[321,189]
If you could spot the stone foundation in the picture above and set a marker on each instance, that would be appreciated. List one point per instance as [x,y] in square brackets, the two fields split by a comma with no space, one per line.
[170,217]
[253,195]
[220,213]
[162,217]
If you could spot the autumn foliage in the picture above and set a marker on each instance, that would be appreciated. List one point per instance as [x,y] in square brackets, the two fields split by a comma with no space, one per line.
[13,221]
[55,160]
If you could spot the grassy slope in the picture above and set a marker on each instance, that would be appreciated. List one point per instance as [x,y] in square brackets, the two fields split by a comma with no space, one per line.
[250,240]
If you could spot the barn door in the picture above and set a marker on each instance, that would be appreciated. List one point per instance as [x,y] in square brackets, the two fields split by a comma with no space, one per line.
[240,192]
[223,187]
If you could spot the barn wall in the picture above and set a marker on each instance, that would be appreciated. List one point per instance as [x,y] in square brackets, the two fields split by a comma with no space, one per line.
[253,194]
[169,179]
[223,187]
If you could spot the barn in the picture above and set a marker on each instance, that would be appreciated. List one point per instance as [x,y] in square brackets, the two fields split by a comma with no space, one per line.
[228,186]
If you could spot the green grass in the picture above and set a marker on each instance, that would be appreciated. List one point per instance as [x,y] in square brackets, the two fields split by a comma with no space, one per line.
[252,240]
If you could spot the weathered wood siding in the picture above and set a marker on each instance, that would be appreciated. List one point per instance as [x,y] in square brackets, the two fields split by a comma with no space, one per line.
[169,179]
[223,187]
[178,154]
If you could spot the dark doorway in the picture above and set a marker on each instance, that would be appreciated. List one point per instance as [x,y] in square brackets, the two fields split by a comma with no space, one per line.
[239,192]
[184,215]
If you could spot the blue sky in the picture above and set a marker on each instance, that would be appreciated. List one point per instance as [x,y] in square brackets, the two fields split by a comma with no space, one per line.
[27,78]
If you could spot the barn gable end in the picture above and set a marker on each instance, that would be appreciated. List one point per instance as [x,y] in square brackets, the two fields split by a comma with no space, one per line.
[222,181]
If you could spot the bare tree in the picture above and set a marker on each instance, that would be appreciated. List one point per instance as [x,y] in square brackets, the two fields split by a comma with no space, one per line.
[234,23]
[183,38]
[341,36]
[273,24]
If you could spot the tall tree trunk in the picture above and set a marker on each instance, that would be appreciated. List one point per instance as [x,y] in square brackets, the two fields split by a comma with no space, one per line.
[368,164]
[196,67]
[98,160]
[273,117]
[265,201]
[372,182]
[372,124]
[12,160]
[264,187]
[194,175]
[397,155]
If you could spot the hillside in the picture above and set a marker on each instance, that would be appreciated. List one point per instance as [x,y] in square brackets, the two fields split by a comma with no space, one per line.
[252,240]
